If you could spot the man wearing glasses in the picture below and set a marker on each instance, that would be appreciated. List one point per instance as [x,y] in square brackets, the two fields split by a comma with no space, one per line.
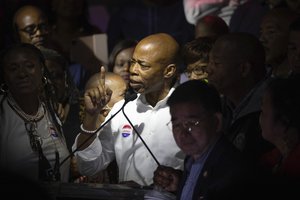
[31,26]
[213,166]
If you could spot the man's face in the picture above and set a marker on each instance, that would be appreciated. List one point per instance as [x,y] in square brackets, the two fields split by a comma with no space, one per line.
[146,70]
[193,127]
[223,68]
[294,51]
[274,39]
[32,27]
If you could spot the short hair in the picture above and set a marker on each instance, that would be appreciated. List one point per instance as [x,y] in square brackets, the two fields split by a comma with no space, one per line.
[197,91]
[285,100]
[197,49]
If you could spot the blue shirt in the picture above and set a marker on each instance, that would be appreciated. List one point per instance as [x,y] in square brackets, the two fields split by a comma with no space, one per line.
[194,168]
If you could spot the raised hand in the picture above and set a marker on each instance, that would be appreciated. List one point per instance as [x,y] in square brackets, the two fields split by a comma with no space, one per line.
[96,98]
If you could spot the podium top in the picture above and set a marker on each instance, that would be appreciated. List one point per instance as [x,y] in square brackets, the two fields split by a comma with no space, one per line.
[78,191]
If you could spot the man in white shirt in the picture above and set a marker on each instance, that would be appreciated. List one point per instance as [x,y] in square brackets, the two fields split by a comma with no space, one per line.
[153,73]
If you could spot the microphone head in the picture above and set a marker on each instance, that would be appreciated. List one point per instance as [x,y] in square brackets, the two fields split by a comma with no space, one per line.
[130,95]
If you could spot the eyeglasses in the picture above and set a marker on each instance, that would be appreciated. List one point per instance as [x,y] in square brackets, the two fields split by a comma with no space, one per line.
[198,70]
[35,140]
[188,125]
[32,29]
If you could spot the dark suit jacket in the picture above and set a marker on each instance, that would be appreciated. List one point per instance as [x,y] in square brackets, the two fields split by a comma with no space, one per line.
[223,172]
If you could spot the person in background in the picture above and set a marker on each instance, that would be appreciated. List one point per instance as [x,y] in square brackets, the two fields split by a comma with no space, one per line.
[153,75]
[274,37]
[213,167]
[119,87]
[196,57]
[280,123]
[70,22]
[120,57]
[210,25]
[32,141]
[237,69]
[30,25]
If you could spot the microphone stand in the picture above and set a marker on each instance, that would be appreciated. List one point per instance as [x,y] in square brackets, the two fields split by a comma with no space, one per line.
[140,137]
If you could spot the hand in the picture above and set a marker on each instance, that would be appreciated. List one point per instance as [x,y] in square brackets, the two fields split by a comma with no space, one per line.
[96,98]
[167,177]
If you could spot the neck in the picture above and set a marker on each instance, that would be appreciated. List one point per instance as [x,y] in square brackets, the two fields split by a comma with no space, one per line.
[29,105]
[154,97]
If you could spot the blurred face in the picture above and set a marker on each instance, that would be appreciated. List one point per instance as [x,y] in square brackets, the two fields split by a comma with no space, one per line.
[32,27]
[122,63]
[271,129]
[197,70]
[223,70]
[57,77]
[146,72]
[193,128]
[274,40]
[22,73]
[294,51]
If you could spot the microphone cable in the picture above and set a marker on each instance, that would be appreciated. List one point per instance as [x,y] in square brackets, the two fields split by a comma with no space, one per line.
[128,97]
[140,138]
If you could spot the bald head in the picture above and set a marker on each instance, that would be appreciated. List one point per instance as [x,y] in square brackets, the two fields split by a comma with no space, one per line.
[211,25]
[114,81]
[30,25]
[161,47]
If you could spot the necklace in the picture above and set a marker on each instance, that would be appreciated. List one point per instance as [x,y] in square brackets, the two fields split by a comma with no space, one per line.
[26,117]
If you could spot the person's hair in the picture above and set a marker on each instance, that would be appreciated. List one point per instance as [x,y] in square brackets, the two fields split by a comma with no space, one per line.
[72,92]
[120,46]
[197,91]
[197,49]
[295,25]
[285,100]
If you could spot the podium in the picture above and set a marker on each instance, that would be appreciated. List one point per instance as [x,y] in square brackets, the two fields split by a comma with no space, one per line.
[86,191]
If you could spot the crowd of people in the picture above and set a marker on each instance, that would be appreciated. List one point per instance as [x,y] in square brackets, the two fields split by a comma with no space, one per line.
[200,107]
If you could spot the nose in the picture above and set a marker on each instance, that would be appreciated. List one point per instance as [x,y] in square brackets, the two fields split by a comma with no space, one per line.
[133,69]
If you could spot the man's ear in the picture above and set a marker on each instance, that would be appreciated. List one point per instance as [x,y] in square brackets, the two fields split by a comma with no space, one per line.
[170,71]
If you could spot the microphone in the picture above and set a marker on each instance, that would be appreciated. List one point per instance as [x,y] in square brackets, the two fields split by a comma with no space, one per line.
[138,134]
[130,95]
